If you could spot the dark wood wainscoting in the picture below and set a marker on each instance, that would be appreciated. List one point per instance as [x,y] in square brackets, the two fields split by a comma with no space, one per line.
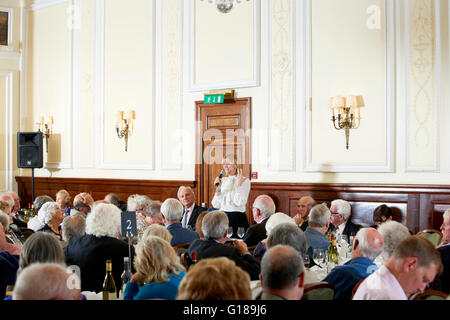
[417,206]
[98,188]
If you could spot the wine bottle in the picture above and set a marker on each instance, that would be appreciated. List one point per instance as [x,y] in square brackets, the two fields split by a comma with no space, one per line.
[333,255]
[109,285]
[126,274]
[32,212]
[26,215]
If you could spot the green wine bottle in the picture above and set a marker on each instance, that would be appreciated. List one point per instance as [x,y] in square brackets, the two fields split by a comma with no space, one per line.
[333,255]
[109,285]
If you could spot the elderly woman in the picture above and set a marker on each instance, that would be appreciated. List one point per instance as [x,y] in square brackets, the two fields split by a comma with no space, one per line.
[139,203]
[51,217]
[9,246]
[63,199]
[393,233]
[232,193]
[158,271]
[100,243]
[159,231]
[34,223]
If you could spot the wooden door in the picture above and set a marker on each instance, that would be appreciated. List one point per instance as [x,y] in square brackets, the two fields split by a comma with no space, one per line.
[221,129]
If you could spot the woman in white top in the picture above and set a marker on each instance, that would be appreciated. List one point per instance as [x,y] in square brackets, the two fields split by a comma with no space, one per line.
[232,194]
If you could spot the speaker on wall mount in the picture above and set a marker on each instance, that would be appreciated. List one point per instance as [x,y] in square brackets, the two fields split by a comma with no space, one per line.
[30,150]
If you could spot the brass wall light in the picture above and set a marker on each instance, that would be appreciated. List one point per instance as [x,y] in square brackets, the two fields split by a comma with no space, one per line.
[46,126]
[348,113]
[125,125]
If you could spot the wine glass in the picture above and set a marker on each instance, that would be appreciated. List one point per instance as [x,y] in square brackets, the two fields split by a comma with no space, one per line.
[230,232]
[319,257]
[241,232]
[306,260]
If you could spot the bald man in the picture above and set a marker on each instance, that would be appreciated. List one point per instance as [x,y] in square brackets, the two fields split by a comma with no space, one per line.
[304,205]
[263,207]
[367,245]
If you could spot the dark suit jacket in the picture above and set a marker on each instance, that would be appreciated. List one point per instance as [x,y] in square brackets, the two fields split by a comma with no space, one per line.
[181,235]
[212,249]
[256,233]
[194,215]
[8,270]
[350,228]
[304,225]
[442,282]
[90,254]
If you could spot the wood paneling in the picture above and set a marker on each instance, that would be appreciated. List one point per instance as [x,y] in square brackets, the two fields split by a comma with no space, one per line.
[98,188]
[417,206]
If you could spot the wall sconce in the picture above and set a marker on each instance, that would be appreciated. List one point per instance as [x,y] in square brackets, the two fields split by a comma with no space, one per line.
[224,6]
[348,113]
[125,125]
[46,128]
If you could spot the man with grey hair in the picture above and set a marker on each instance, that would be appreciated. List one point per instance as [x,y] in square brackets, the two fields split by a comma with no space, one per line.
[73,226]
[14,203]
[14,223]
[319,221]
[393,233]
[263,207]
[340,219]
[153,214]
[282,274]
[191,209]
[215,229]
[115,200]
[367,245]
[172,211]
[46,281]
[442,282]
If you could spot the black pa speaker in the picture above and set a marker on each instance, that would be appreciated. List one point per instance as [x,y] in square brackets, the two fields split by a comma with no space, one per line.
[30,150]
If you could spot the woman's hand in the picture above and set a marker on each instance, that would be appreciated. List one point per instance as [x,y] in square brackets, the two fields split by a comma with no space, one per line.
[137,277]
[218,181]
[240,178]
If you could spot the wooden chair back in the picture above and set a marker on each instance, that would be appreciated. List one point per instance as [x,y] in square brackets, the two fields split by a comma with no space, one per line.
[318,291]
[430,295]
[435,236]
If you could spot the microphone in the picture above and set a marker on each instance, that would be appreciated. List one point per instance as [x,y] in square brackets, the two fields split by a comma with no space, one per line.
[220,177]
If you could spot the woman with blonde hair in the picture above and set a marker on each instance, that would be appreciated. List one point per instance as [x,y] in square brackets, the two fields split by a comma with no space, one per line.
[159,231]
[232,192]
[158,271]
[63,199]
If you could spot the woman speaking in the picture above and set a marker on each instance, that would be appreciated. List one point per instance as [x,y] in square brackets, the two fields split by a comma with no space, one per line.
[232,192]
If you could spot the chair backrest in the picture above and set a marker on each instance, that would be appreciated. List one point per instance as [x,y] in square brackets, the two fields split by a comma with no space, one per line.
[433,235]
[430,295]
[318,291]
[357,286]
[181,248]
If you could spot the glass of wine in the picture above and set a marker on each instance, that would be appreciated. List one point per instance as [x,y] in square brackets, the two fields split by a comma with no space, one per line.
[230,232]
[319,257]
[241,232]
[306,260]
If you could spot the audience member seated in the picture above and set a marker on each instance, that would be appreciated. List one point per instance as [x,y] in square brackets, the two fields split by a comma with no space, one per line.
[215,229]
[112,198]
[263,207]
[41,247]
[139,203]
[45,281]
[158,271]
[442,282]
[382,214]
[319,222]
[63,199]
[274,220]
[191,209]
[82,203]
[73,226]
[290,235]
[8,266]
[304,205]
[282,274]
[367,245]
[340,219]
[153,214]
[10,247]
[172,211]
[51,217]
[34,223]
[215,279]
[15,207]
[159,231]
[412,266]
[14,234]
[198,224]
[393,233]
[100,243]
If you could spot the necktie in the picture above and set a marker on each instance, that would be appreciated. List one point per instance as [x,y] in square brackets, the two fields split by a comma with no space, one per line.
[184,220]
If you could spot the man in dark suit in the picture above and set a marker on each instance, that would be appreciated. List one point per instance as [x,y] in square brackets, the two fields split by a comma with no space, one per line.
[172,211]
[263,207]
[215,228]
[191,209]
[304,205]
[340,219]
[442,281]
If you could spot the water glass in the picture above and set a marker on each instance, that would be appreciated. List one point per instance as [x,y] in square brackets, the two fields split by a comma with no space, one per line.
[241,232]
[306,260]
[230,232]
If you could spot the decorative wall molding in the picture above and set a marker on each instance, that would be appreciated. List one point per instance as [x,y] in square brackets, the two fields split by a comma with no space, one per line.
[254,82]
[282,65]
[388,165]
[171,79]
[9,128]
[23,107]
[434,65]
[100,91]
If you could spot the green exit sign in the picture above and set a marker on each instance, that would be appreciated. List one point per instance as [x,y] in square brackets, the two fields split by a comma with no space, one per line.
[214,98]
